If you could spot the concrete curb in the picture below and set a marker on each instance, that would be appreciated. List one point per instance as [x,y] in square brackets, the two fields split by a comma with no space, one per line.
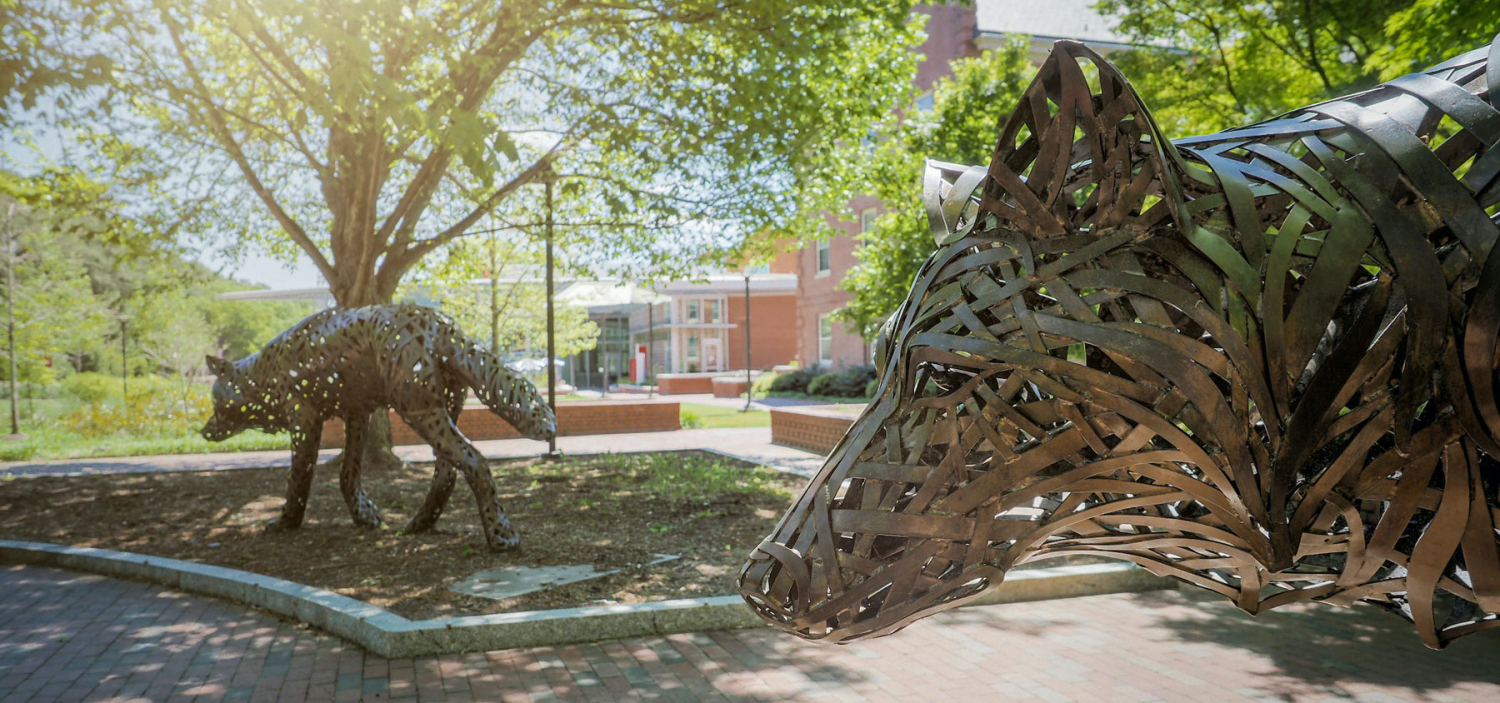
[389,635]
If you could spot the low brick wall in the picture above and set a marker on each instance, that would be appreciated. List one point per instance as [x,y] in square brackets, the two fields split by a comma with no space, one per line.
[681,383]
[730,386]
[813,428]
[574,417]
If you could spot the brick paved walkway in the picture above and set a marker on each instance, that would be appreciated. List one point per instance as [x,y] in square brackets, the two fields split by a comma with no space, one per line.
[69,636]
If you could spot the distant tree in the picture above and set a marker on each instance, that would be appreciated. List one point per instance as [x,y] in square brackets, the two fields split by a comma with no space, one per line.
[176,337]
[961,128]
[241,327]
[494,287]
[47,304]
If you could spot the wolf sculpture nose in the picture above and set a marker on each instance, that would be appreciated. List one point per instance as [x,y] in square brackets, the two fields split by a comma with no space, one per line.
[776,583]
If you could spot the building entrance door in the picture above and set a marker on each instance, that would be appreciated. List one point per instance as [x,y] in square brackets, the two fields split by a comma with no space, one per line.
[711,355]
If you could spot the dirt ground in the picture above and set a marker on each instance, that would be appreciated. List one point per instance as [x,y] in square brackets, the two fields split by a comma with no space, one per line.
[610,511]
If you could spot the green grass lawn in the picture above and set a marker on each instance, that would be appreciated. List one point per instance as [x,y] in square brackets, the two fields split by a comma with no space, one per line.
[46,440]
[716,417]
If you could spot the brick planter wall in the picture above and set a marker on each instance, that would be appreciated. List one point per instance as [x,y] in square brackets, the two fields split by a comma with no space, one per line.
[574,417]
[811,428]
[680,383]
[730,386]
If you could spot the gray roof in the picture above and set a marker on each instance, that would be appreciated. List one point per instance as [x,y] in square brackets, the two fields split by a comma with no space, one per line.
[1046,19]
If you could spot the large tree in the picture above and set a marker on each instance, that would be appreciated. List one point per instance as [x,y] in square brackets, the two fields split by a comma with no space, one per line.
[365,135]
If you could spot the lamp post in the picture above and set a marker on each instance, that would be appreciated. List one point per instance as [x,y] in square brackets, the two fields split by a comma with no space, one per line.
[749,388]
[547,179]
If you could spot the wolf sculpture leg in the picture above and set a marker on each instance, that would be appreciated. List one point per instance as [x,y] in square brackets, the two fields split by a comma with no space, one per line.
[363,510]
[453,449]
[443,479]
[305,438]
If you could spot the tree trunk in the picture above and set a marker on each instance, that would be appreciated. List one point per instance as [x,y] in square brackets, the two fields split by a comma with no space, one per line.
[378,455]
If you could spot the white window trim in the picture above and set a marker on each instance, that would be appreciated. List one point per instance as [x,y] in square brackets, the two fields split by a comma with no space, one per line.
[874,214]
[822,246]
[828,359]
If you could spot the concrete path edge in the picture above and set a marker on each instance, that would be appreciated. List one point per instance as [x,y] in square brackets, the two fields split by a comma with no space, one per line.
[389,635]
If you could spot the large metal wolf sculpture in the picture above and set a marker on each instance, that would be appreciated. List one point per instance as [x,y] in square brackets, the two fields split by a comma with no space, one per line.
[350,363]
[1261,362]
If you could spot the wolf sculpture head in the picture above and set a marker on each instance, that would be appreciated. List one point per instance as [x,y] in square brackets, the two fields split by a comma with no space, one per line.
[1261,362]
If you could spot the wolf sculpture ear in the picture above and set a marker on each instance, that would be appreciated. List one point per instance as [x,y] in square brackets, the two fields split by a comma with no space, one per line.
[1069,160]
[217,366]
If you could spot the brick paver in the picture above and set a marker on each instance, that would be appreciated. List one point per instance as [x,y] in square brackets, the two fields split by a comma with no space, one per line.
[69,636]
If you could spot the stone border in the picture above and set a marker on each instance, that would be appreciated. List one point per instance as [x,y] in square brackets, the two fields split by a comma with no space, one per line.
[389,635]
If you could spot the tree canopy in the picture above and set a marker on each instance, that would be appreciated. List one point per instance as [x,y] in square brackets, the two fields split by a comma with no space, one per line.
[365,135]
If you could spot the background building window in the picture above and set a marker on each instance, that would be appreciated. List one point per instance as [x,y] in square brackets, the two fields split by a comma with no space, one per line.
[825,339]
[711,311]
[692,313]
[825,263]
[867,219]
[692,353]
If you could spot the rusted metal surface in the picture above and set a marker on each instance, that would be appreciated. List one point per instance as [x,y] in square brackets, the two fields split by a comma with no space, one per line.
[1261,362]
[350,363]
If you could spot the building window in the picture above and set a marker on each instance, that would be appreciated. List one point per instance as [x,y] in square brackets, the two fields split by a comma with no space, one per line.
[924,102]
[711,311]
[692,313]
[825,263]
[867,219]
[692,353]
[825,339]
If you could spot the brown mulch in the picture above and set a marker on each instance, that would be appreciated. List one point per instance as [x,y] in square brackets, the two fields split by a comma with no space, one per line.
[610,511]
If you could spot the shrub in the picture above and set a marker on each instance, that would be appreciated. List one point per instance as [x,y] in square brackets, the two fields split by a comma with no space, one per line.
[763,385]
[91,387]
[690,420]
[849,383]
[150,411]
[795,381]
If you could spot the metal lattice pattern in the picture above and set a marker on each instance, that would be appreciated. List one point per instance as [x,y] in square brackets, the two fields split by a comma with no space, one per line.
[1261,362]
[351,363]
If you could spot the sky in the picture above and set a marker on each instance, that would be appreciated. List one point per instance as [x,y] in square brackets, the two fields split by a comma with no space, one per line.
[264,270]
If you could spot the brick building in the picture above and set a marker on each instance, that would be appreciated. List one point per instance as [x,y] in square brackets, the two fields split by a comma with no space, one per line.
[952,33]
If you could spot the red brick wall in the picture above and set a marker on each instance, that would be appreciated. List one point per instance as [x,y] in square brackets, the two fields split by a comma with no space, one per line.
[773,337]
[815,430]
[730,386]
[679,383]
[579,417]
[817,295]
[950,35]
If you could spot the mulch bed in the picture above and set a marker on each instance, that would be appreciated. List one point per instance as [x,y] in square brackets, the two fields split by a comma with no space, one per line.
[610,511]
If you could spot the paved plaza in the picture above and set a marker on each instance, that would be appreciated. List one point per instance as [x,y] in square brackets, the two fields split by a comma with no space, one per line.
[70,636]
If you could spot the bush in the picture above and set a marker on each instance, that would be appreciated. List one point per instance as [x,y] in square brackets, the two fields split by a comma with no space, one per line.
[690,420]
[849,383]
[794,381]
[763,385]
[156,409]
[91,387]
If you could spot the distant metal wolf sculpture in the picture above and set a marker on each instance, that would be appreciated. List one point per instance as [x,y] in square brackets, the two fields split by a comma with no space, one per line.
[350,363]
[1261,362]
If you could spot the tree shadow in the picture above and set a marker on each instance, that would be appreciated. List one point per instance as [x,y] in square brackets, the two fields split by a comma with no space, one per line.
[1314,646]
